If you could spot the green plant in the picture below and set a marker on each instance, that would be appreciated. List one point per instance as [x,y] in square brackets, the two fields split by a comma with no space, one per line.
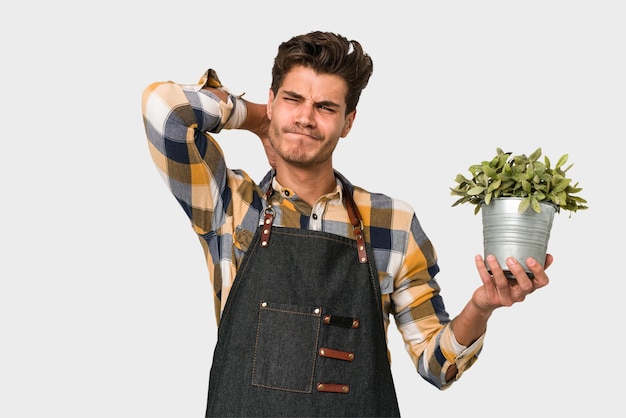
[507,175]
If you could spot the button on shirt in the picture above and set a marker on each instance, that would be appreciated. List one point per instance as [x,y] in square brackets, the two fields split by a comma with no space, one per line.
[225,208]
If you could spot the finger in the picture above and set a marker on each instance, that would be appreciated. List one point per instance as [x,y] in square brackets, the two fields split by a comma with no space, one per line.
[499,279]
[524,282]
[485,276]
[549,260]
[540,277]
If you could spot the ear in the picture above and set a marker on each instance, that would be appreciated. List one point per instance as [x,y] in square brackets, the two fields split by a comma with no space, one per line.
[270,100]
[348,125]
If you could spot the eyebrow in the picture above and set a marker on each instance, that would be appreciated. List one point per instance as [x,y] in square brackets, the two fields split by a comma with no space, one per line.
[327,103]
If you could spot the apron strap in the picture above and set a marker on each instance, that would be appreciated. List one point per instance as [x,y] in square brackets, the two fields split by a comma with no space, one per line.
[353,214]
[355,220]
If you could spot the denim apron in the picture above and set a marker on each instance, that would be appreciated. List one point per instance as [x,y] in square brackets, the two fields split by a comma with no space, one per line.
[302,331]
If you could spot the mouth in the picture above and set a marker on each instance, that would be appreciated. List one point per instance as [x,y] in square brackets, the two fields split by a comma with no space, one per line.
[300,132]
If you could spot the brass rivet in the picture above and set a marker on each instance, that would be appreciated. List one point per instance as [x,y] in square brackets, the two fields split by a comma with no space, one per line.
[317,310]
[320,386]
[345,389]
[355,323]
[264,243]
[351,356]
[322,351]
[363,259]
[264,304]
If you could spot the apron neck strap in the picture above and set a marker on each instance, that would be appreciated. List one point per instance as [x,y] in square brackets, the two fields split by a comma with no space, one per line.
[353,214]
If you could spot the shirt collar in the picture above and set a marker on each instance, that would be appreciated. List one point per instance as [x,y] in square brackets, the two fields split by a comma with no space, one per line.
[290,194]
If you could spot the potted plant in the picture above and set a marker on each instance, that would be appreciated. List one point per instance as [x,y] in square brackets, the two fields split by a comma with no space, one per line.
[519,196]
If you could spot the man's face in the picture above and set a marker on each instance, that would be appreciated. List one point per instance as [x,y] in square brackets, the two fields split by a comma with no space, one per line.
[307,117]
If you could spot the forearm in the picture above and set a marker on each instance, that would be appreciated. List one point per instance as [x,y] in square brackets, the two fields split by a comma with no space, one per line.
[467,328]
[245,115]
[254,115]
[431,342]
[422,319]
[470,324]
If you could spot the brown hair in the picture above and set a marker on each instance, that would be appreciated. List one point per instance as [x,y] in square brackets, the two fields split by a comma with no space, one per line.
[325,53]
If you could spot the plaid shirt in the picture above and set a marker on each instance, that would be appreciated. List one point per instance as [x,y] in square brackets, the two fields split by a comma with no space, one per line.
[225,207]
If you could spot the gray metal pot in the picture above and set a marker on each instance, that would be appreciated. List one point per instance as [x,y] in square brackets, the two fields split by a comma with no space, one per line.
[508,233]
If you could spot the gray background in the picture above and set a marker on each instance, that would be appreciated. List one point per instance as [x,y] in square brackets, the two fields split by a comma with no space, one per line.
[105,303]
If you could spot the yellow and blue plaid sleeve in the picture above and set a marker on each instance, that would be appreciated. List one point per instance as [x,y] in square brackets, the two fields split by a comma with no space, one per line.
[421,316]
[177,119]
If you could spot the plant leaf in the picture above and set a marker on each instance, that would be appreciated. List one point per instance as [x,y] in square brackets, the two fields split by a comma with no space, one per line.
[476,190]
[561,161]
[534,203]
[535,155]
[523,205]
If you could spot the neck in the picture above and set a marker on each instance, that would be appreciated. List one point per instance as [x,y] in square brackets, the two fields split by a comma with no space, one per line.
[308,184]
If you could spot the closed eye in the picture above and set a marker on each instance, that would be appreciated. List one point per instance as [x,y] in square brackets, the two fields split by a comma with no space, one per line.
[326,108]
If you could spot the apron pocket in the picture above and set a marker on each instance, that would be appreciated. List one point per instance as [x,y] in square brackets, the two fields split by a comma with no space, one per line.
[286,347]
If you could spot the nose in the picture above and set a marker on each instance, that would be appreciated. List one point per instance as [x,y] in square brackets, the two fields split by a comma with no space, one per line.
[306,114]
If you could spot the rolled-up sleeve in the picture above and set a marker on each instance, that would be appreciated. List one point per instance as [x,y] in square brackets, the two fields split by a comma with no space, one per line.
[421,315]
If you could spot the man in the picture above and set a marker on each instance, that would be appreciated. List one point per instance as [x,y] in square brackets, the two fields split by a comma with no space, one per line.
[306,268]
